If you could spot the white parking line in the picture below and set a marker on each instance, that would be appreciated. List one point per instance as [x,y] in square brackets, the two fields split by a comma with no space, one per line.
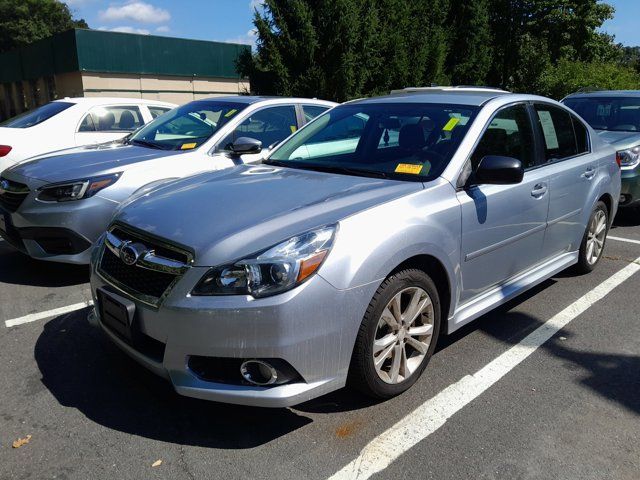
[33,317]
[434,413]
[620,239]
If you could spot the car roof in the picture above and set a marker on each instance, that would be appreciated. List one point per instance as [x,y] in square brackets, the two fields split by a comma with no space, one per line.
[251,99]
[103,100]
[451,95]
[606,93]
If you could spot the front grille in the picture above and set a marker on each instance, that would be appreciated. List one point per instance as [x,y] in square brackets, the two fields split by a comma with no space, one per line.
[144,283]
[12,194]
[137,280]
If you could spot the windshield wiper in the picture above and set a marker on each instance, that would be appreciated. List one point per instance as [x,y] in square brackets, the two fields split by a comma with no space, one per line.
[148,143]
[276,163]
[360,172]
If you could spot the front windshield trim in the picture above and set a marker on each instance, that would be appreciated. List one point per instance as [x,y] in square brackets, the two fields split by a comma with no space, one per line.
[282,155]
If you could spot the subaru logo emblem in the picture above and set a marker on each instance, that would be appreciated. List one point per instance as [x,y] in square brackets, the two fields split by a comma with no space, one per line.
[130,253]
[4,185]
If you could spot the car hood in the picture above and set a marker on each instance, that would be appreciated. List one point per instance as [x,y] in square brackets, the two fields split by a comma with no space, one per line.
[83,162]
[223,216]
[620,140]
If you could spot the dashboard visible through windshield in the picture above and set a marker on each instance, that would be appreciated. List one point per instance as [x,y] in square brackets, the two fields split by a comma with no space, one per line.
[403,141]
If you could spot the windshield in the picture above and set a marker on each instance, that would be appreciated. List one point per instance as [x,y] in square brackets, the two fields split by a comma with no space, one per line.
[39,115]
[186,127]
[404,141]
[618,114]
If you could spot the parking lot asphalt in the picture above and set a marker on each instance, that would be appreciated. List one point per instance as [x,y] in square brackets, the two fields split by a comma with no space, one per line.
[569,408]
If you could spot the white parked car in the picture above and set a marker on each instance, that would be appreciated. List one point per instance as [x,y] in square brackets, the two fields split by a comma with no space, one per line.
[55,206]
[73,122]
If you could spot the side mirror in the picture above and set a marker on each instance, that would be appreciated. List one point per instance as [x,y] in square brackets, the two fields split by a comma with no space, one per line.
[497,170]
[244,145]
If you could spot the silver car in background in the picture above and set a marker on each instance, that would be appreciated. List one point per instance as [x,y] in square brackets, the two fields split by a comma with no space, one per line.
[55,206]
[341,259]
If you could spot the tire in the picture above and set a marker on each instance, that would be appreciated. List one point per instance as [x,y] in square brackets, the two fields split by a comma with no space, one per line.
[587,259]
[382,382]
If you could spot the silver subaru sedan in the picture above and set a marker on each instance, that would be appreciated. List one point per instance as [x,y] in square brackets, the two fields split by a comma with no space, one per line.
[54,207]
[340,259]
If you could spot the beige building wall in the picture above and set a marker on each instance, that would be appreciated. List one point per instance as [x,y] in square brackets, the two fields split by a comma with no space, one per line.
[177,90]
[69,85]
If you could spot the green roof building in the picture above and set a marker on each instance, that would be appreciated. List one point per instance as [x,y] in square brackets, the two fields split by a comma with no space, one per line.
[99,63]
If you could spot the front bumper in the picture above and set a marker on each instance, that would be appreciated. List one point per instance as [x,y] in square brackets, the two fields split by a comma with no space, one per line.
[60,232]
[312,327]
[630,192]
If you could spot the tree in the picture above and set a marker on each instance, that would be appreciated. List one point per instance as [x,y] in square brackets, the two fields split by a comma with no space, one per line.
[470,53]
[341,49]
[25,21]
[530,36]
[570,76]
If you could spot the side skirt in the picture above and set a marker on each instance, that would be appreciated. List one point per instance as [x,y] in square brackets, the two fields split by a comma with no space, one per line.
[510,289]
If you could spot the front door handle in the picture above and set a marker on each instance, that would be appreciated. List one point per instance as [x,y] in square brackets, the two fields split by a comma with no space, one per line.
[589,173]
[539,190]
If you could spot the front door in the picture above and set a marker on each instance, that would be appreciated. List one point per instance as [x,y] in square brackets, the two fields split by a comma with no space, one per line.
[503,226]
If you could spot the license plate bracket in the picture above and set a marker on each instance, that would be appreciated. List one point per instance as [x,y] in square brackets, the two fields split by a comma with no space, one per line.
[117,314]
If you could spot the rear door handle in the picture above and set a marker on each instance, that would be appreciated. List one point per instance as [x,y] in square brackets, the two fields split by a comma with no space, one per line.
[589,173]
[539,190]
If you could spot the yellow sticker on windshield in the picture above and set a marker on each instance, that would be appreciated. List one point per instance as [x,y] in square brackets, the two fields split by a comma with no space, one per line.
[408,168]
[230,113]
[188,146]
[453,121]
[293,128]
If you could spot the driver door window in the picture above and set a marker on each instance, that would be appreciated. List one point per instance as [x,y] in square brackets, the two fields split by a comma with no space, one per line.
[509,135]
[269,125]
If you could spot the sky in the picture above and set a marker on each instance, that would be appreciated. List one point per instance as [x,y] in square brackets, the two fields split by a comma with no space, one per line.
[231,20]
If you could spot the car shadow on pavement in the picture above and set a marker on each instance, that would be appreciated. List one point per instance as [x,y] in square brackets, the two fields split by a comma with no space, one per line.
[83,370]
[615,377]
[627,217]
[19,269]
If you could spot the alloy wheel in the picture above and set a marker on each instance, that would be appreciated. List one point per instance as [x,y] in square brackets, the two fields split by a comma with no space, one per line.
[596,236]
[403,335]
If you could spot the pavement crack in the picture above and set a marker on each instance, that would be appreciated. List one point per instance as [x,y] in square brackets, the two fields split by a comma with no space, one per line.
[183,464]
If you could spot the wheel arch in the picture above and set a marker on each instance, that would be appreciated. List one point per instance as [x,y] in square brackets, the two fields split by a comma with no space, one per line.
[433,267]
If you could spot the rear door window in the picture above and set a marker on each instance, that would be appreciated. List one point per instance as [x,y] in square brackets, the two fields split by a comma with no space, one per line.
[556,125]
[156,111]
[312,111]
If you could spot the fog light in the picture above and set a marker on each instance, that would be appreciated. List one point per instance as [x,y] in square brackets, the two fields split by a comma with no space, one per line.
[258,372]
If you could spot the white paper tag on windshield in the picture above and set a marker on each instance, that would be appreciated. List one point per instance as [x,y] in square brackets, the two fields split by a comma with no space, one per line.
[549,130]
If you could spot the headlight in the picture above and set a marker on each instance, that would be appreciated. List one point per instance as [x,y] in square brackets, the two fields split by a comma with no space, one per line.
[629,157]
[273,271]
[76,189]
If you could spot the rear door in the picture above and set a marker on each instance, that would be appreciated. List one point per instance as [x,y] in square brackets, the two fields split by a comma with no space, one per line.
[572,171]
[503,225]
[107,123]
